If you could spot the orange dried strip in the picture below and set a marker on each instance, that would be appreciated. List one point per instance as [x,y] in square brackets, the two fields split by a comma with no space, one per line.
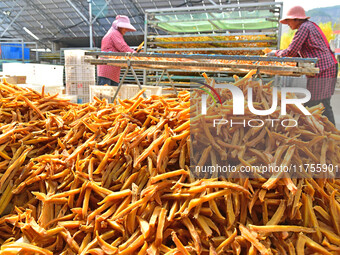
[280,228]
[252,239]
[168,175]
[23,247]
[226,242]
[160,227]
[179,245]
[116,195]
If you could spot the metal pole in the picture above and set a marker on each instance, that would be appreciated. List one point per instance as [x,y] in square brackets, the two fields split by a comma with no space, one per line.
[101,10]
[36,52]
[171,82]
[160,78]
[8,13]
[280,28]
[22,51]
[145,43]
[15,18]
[211,7]
[90,23]
[77,10]
[211,1]
[136,78]
[121,83]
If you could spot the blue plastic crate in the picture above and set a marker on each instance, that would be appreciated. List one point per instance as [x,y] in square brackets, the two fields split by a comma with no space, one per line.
[14,51]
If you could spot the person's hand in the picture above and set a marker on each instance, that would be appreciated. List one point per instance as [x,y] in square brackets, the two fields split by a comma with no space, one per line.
[272,53]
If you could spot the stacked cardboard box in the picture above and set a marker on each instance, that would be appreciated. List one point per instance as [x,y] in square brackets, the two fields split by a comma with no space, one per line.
[14,79]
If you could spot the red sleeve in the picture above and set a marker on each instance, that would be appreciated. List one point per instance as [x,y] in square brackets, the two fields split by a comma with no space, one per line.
[119,43]
[293,49]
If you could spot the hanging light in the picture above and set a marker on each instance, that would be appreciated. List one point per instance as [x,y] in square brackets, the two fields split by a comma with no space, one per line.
[7,13]
[30,33]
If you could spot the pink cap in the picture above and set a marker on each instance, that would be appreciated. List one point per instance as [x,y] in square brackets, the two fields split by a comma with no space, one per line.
[296,12]
[123,22]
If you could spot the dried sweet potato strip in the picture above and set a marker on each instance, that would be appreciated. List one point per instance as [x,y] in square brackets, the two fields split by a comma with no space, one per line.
[315,246]
[6,197]
[131,207]
[133,247]
[30,104]
[196,201]
[230,211]
[215,209]
[335,212]
[116,195]
[168,175]
[54,190]
[152,250]
[152,146]
[225,185]
[81,148]
[160,227]
[142,251]
[21,247]
[11,170]
[251,238]
[179,245]
[182,127]
[278,214]
[280,228]
[204,226]
[107,248]
[323,213]
[286,161]
[329,234]
[297,197]
[226,242]
[311,218]
[330,246]
[71,242]
[197,241]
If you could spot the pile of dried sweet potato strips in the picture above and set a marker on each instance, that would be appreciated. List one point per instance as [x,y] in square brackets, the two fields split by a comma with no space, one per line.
[100,178]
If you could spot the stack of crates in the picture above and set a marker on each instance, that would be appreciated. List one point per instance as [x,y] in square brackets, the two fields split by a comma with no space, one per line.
[79,75]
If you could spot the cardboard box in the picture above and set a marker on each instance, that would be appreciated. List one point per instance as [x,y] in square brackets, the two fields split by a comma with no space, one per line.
[36,74]
[15,79]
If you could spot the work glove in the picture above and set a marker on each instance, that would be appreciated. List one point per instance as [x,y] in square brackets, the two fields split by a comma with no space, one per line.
[272,53]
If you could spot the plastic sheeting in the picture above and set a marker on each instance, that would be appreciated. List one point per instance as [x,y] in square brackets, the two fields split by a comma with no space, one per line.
[204,22]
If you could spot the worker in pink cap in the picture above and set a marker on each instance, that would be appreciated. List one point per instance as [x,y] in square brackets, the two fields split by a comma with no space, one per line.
[310,42]
[114,41]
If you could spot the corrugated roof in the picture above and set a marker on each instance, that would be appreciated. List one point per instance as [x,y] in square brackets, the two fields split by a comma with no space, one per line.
[63,20]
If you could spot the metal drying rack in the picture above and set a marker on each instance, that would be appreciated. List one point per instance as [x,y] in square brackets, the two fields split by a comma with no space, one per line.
[202,63]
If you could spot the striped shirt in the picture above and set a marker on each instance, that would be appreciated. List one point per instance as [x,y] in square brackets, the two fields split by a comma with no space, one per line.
[113,41]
